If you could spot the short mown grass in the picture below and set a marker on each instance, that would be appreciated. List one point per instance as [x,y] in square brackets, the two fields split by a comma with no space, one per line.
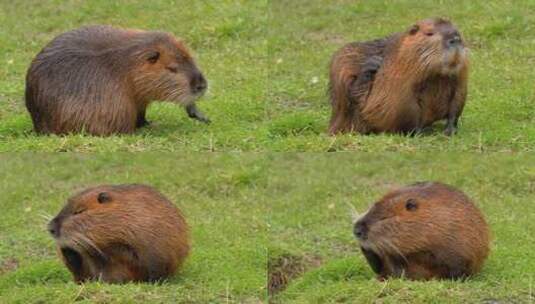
[267,62]
[311,230]
[228,259]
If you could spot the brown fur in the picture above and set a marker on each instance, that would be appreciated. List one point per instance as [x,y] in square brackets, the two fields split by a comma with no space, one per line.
[100,80]
[424,231]
[420,79]
[119,234]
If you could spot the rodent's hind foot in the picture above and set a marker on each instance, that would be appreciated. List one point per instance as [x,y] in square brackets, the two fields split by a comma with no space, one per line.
[142,123]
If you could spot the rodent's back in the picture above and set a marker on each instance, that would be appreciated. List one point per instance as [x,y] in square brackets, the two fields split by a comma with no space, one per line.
[345,67]
[96,38]
[72,79]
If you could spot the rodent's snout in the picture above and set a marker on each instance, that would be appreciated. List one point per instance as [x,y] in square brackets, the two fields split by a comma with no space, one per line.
[455,41]
[54,227]
[198,83]
[452,39]
[360,230]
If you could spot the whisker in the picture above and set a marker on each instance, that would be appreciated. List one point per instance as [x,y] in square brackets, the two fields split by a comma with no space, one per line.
[353,212]
[45,216]
[395,248]
[88,245]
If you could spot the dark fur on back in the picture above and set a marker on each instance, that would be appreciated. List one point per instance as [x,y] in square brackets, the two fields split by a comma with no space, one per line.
[99,79]
[346,92]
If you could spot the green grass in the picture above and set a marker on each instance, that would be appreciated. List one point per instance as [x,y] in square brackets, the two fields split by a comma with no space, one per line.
[227,263]
[267,61]
[311,225]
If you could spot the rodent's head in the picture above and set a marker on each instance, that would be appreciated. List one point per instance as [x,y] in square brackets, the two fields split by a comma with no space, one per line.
[165,70]
[98,217]
[408,219]
[392,210]
[81,211]
[437,45]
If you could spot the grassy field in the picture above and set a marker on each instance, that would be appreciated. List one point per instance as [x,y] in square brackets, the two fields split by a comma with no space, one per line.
[218,196]
[266,62]
[312,249]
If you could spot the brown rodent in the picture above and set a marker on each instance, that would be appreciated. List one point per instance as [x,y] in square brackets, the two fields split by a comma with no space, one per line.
[424,231]
[120,233]
[402,83]
[100,80]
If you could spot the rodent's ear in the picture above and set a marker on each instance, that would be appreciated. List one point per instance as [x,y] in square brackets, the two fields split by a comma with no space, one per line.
[411,204]
[104,197]
[153,56]
[414,29]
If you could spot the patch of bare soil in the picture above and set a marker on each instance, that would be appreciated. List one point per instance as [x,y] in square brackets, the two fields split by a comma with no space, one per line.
[282,269]
[9,264]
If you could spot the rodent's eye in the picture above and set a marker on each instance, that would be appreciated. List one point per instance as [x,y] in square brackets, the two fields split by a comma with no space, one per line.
[153,56]
[104,197]
[414,29]
[429,34]
[411,204]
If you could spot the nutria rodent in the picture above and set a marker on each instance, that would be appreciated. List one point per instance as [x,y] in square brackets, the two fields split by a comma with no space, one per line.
[402,83]
[100,79]
[423,231]
[120,233]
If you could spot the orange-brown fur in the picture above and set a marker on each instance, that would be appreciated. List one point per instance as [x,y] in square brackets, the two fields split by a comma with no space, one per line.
[100,80]
[424,231]
[422,79]
[120,233]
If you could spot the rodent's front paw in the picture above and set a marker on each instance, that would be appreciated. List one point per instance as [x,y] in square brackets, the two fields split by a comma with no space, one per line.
[202,118]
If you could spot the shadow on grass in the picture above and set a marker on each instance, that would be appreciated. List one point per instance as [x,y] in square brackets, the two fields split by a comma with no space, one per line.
[20,126]
[53,272]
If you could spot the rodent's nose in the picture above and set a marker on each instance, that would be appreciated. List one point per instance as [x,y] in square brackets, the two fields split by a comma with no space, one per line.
[198,83]
[54,227]
[456,40]
[360,230]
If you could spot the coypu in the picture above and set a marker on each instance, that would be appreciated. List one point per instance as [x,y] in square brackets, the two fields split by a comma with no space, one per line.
[120,233]
[402,83]
[423,231]
[100,79]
